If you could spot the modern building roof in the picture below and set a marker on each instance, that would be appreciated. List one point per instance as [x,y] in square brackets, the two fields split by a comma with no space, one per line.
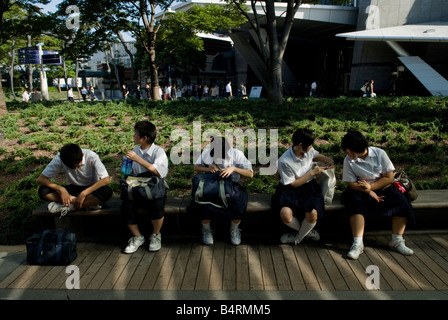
[426,32]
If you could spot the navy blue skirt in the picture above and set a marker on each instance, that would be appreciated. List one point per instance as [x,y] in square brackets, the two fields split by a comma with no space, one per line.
[394,204]
[235,210]
[300,200]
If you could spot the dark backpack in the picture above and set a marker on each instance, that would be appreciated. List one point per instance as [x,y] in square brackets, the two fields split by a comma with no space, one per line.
[210,188]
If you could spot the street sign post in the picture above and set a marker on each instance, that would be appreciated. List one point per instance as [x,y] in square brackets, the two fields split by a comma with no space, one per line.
[29,55]
[35,55]
[51,58]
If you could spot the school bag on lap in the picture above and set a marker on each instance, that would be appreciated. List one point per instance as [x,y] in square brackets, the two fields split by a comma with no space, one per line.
[143,187]
[210,188]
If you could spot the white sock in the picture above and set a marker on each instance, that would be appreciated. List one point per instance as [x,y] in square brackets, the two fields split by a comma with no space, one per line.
[294,224]
[234,225]
[397,237]
[304,230]
[206,226]
[357,241]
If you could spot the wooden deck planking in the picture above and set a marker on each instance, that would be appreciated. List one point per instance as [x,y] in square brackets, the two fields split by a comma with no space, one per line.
[311,281]
[413,272]
[177,276]
[205,265]
[390,259]
[191,271]
[293,268]
[217,267]
[359,267]
[125,277]
[154,270]
[255,271]
[346,272]
[437,252]
[193,266]
[140,272]
[229,272]
[429,269]
[320,272]
[242,268]
[267,268]
[280,269]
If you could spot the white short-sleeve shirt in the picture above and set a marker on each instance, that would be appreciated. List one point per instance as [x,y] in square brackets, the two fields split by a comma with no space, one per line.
[369,169]
[235,158]
[90,171]
[291,168]
[154,155]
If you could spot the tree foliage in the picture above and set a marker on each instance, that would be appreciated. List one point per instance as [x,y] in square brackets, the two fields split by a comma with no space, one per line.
[12,25]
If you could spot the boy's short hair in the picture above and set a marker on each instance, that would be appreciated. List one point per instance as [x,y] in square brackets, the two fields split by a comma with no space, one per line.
[355,141]
[304,137]
[146,129]
[71,155]
[221,146]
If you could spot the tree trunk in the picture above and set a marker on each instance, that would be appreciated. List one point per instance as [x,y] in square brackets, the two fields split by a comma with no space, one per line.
[154,73]
[30,69]
[117,76]
[131,56]
[11,68]
[111,91]
[3,109]
[275,92]
[76,76]
[64,66]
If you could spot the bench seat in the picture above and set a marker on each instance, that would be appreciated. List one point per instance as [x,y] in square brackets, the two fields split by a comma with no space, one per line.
[258,203]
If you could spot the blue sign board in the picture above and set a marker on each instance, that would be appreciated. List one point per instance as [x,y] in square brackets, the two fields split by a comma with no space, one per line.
[28,56]
[51,58]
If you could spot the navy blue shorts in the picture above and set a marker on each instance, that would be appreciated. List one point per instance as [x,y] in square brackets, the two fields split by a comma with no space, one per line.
[103,194]
[155,209]
[300,200]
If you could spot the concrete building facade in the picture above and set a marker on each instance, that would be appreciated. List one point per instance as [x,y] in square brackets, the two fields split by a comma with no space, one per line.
[375,58]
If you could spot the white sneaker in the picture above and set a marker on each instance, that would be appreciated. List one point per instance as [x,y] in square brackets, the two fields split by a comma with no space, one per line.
[134,243]
[313,235]
[95,207]
[56,207]
[398,245]
[355,251]
[155,242]
[288,238]
[235,236]
[207,236]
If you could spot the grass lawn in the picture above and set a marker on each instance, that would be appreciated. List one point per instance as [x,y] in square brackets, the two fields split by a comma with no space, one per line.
[412,130]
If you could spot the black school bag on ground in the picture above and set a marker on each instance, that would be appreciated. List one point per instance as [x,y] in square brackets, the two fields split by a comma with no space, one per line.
[51,248]
[210,188]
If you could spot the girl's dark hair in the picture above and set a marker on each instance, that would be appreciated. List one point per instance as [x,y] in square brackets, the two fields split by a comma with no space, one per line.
[355,141]
[221,145]
[71,155]
[304,137]
[146,129]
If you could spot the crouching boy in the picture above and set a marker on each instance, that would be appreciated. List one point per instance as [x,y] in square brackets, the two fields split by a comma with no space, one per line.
[87,181]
